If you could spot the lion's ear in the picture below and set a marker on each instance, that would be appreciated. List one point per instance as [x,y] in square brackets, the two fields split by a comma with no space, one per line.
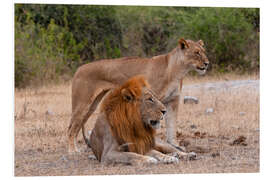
[201,42]
[183,43]
[127,95]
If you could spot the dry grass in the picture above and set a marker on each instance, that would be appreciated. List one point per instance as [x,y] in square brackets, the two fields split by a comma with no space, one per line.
[42,116]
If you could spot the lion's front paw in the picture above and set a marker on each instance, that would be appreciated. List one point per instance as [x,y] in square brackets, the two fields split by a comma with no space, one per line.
[151,160]
[185,156]
[192,156]
[170,159]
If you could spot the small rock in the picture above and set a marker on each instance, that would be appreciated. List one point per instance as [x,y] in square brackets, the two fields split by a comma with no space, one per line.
[92,157]
[190,100]
[236,127]
[193,126]
[199,134]
[242,113]
[63,158]
[178,134]
[209,110]
[184,143]
[49,112]
[215,154]
[224,137]
[241,140]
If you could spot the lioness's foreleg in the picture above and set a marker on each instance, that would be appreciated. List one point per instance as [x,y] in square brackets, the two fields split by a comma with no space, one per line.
[127,158]
[171,119]
[162,157]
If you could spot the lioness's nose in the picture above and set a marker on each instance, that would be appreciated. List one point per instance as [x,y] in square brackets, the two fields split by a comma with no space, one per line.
[163,112]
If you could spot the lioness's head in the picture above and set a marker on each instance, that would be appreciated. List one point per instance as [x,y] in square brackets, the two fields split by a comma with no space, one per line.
[193,55]
[152,111]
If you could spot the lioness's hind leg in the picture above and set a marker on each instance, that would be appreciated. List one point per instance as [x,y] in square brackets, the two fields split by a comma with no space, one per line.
[73,130]
[81,112]
[79,117]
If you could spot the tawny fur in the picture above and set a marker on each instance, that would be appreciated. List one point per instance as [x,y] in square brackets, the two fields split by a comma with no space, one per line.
[124,121]
[125,118]
[164,73]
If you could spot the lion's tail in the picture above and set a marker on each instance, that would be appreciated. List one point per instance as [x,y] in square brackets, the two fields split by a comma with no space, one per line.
[92,109]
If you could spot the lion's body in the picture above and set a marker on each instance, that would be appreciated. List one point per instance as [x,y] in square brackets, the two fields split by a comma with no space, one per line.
[124,118]
[123,131]
[164,74]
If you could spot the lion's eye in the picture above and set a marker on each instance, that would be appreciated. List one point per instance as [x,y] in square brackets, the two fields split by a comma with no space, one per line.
[150,99]
[197,52]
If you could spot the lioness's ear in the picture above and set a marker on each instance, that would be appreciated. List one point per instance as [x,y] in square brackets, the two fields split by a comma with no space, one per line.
[201,42]
[127,95]
[183,43]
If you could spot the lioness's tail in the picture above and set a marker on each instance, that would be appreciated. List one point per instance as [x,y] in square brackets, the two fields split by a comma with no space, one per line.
[87,141]
[92,109]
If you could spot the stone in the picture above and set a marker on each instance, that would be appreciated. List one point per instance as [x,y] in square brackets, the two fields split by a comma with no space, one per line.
[209,110]
[190,100]
[193,126]
[242,113]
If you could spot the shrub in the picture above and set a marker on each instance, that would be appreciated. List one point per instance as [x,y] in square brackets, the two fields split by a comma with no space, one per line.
[43,54]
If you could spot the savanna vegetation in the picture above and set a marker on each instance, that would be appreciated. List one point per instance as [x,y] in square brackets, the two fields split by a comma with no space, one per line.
[51,41]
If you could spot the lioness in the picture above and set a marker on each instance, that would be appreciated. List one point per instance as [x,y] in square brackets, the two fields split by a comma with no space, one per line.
[125,129]
[92,81]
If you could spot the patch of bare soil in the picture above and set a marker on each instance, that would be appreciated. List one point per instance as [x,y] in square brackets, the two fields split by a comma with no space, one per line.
[226,139]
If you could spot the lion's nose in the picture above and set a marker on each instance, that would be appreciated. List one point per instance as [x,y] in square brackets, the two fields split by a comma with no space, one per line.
[163,112]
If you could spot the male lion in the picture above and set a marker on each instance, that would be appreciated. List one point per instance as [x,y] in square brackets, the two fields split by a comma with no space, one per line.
[125,129]
[164,73]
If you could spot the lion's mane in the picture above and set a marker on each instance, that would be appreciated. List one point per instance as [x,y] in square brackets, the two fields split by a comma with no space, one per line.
[125,120]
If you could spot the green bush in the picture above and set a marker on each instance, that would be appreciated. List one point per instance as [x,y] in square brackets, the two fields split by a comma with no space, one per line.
[43,54]
[54,40]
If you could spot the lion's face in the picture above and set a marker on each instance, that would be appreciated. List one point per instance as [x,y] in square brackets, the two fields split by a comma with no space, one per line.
[152,110]
[194,55]
[145,104]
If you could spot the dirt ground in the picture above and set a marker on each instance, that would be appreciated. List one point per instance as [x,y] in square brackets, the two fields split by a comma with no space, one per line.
[223,129]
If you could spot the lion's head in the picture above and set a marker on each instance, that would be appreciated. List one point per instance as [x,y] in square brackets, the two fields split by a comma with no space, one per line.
[193,54]
[133,113]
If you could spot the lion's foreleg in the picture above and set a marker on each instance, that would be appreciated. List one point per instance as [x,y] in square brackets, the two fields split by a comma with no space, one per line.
[127,158]
[162,157]
[169,149]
